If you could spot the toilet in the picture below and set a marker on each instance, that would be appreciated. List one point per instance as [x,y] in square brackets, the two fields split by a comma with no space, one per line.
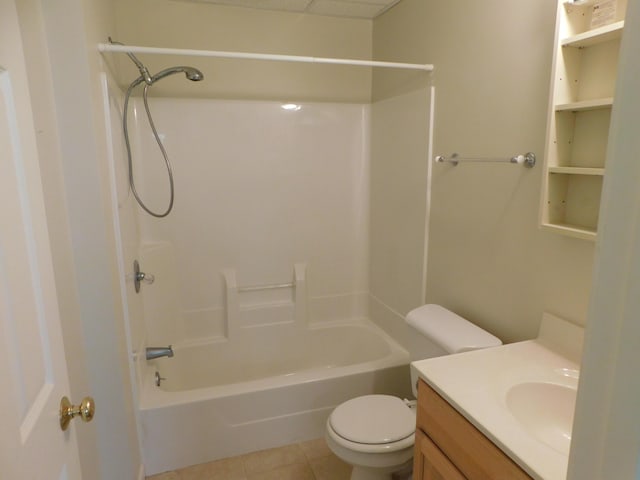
[375,433]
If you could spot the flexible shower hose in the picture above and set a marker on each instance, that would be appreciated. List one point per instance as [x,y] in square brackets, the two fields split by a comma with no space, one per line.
[160,145]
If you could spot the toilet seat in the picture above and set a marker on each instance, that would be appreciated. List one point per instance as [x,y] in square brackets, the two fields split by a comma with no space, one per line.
[374,420]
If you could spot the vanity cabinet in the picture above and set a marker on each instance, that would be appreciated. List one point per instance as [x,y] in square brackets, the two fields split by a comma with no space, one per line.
[431,463]
[582,91]
[449,447]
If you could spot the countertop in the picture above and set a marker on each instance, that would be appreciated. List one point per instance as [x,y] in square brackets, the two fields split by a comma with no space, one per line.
[477,385]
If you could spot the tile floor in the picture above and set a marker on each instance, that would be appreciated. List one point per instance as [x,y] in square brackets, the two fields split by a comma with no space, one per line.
[301,461]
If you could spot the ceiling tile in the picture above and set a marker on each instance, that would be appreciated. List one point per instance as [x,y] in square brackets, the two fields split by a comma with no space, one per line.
[335,8]
[282,5]
[341,8]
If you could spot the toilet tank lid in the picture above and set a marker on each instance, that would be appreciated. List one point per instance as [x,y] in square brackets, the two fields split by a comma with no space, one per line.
[449,330]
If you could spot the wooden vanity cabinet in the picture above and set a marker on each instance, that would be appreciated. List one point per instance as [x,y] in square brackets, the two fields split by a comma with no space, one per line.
[430,463]
[449,447]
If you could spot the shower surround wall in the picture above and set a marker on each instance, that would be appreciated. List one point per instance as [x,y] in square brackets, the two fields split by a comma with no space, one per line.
[259,188]
[399,119]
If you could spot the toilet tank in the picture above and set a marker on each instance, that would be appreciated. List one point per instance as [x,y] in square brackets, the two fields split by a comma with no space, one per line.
[436,331]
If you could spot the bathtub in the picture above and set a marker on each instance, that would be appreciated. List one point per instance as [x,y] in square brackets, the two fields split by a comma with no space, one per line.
[273,386]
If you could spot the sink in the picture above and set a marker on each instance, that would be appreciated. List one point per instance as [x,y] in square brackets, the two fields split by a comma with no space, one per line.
[545,410]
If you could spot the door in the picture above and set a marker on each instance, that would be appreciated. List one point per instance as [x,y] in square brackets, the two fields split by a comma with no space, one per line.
[33,372]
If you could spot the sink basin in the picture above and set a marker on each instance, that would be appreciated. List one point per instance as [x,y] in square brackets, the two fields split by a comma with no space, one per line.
[545,410]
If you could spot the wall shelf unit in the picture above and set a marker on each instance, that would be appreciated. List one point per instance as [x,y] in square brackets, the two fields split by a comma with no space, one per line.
[582,95]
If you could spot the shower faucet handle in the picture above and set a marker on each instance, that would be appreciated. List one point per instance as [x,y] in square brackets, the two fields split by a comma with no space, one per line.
[139,276]
[147,278]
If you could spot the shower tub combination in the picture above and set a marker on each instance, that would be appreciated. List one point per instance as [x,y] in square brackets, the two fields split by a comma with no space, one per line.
[270,386]
[274,377]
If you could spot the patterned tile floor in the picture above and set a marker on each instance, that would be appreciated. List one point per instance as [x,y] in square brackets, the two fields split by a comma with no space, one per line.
[301,461]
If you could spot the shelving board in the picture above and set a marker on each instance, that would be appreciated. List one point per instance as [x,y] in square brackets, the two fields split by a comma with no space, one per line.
[583,105]
[577,170]
[579,3]
[598,35]
[572,230]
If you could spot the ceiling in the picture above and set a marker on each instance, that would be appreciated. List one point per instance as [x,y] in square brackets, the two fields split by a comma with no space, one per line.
[334,8]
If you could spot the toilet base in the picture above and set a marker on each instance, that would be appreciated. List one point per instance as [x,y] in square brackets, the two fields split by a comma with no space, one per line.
[368,473]
[364,473]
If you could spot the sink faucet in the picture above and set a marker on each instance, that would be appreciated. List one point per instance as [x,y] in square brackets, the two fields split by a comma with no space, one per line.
[157,352]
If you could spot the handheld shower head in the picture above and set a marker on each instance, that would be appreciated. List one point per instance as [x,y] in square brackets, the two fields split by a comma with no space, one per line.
[191,73]
[194,74]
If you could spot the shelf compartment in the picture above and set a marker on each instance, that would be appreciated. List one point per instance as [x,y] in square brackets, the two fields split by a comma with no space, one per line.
[574,201]
[595,104]
[596,36]
[586,74]
[575,21]
[580,138]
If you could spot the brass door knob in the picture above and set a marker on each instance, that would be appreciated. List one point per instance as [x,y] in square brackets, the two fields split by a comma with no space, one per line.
[86,410]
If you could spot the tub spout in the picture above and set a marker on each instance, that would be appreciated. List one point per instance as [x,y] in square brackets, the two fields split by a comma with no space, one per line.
[157,352]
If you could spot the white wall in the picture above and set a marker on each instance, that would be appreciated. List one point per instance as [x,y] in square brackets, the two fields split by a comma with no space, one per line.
[487,259]
[258,189]
[201,25]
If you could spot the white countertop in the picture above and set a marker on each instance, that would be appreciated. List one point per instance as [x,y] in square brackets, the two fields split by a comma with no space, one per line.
[477,383]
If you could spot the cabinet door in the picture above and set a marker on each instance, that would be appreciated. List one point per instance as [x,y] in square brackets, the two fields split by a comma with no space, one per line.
[430,463]
[463,444]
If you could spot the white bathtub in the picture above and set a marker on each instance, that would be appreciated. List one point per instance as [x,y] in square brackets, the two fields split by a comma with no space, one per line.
[273,386]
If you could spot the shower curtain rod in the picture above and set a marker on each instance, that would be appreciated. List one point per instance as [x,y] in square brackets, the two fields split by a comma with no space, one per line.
[107,47]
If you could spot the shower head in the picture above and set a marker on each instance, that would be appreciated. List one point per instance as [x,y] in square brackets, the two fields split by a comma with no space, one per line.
[191,73]
[194,74]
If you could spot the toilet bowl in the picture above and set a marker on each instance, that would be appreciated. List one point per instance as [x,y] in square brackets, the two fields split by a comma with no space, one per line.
[375,433]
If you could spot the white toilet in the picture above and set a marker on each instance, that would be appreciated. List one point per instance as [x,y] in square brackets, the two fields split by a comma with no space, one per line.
[375,433]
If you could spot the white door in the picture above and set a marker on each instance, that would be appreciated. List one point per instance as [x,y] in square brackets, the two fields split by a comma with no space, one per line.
[33,372]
